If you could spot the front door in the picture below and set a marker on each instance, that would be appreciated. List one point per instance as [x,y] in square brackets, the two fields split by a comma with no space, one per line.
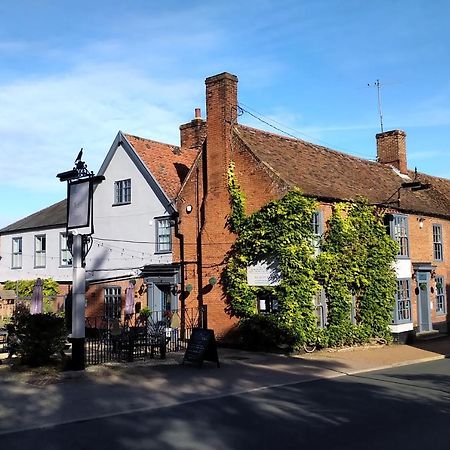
[423,302]
[161,301]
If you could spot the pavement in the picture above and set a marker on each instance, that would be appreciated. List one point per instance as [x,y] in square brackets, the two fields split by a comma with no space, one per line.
[43,398]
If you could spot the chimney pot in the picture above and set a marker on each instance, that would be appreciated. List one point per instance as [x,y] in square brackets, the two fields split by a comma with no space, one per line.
[198,113]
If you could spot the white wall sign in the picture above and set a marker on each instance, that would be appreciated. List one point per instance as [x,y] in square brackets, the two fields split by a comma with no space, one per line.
[263,274]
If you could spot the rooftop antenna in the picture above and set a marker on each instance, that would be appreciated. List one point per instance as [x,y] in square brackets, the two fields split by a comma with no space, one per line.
[377,84]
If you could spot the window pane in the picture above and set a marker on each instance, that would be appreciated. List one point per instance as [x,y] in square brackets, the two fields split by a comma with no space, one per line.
[122,191]
[113,302]
[65,258]
[437,242]
[163,236]
[39,252]
[440,295]
[400,234]
[16,253]
[402,311]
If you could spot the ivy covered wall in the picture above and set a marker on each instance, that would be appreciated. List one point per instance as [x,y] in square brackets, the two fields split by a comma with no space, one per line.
[354,267]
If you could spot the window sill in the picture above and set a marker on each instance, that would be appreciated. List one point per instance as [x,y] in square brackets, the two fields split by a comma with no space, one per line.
[121,204]
[163,252]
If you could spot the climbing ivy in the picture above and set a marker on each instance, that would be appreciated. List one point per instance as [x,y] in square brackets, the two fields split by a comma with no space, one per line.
[355,262]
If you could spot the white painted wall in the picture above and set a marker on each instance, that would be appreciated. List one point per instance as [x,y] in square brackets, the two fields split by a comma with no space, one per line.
[52,267]
[403,268]
[116,226]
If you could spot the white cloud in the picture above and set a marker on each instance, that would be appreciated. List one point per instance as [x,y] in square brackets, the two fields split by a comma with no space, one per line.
[45,121]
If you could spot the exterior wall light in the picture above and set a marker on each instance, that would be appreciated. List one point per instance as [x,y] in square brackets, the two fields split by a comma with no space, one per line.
[188,209]
[421,221]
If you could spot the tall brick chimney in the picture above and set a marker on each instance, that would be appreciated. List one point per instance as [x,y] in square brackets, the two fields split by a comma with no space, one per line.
[391,149]
[193,134]
[221,115]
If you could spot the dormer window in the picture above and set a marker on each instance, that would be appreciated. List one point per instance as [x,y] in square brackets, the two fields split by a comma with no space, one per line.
[122,192]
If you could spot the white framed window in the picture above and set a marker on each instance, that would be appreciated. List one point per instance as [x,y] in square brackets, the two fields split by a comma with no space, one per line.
[16,262]
[40,248]
[440,296]
[122,192]
[317,230]
[402,309]
[113,302]
[399,232]
[163,235]
[65,258]
[437,242]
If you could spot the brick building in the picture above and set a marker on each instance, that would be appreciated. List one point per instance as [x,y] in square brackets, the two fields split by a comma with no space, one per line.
[267,166]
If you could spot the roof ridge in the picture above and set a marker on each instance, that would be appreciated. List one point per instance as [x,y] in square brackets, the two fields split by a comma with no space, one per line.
[150,140]
[311,144]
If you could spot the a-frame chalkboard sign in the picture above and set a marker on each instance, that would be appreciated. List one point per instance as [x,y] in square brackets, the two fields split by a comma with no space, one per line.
[201,347]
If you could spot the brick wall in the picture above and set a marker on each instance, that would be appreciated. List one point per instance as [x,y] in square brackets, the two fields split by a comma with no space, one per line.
[95,296]
[206,237]
[421,250]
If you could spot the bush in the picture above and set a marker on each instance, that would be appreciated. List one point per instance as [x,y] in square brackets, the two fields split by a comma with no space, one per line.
[38,336]
[262,332]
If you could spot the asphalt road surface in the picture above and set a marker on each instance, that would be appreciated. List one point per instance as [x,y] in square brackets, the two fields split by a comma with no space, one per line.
[406,407]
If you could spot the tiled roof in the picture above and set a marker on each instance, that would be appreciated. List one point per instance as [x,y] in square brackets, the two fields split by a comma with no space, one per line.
[328,174]
[168,164]
[52,216]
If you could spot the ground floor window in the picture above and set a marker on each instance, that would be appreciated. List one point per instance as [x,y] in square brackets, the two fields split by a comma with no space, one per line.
[402,310]
[113,302]
[440,295]
[267,303]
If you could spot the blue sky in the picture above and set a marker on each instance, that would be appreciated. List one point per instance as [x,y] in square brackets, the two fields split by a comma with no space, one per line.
[74,73]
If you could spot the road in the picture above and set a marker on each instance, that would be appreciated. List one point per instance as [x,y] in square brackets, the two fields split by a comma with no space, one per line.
[404,407]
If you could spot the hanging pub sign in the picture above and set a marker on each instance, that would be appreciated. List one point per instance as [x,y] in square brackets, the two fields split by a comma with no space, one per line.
[264,273]
[79,198]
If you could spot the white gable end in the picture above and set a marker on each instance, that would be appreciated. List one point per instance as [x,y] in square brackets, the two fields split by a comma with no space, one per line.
[124,237]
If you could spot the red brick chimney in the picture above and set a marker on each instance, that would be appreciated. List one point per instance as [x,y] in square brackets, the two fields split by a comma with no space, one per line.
[221,115]
[193,134]
[391,149]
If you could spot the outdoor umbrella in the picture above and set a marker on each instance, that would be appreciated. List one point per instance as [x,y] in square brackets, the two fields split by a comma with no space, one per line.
[37,297]
[129,299]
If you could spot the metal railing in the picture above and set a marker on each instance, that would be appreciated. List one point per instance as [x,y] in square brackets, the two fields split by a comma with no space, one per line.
[134,337]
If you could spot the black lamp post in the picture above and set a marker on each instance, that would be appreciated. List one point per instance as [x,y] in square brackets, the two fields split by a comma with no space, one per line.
[80,188]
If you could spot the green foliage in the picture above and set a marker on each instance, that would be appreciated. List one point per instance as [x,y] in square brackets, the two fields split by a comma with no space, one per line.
[237,199]
[24,289]
[36,337]
[355,261]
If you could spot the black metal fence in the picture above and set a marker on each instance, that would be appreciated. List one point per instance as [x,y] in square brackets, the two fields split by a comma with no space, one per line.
[137,337]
